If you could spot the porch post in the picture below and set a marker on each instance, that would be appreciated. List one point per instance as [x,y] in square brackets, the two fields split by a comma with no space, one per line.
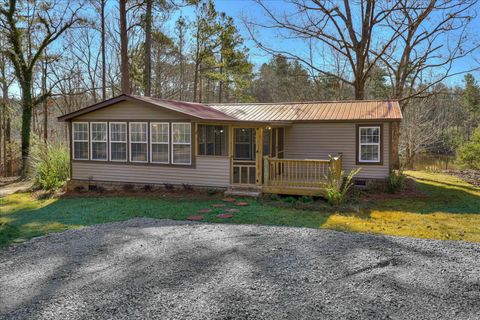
[230,150]
[258,155]
[266,170]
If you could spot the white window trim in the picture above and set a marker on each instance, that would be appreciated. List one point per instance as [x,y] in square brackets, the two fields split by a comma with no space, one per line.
[167,143]
[182,143]
[360,144]
[115,141]
[104,141]
[130,140]
[73,140]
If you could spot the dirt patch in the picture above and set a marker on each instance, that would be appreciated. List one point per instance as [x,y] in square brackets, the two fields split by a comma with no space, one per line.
[14,187]
[470,176]
[7,180]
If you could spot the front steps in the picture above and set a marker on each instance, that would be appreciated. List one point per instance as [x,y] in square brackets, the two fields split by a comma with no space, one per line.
[244,191]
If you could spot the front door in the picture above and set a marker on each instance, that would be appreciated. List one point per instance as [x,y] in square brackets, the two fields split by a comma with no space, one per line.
[244,156]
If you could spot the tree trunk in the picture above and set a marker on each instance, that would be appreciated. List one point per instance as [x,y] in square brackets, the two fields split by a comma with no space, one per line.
[359,85]
[220,85]
[7,160]
[197,66]
[104,59]
[148,49]
[26,123]
[45,102]
[395,154]
[124,48]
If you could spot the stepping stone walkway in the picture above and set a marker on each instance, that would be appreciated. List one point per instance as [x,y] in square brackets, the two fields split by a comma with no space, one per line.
[195,218]
[224,215]
[229,199]
[232,210]
[218,205]
[241,204]
[204,211]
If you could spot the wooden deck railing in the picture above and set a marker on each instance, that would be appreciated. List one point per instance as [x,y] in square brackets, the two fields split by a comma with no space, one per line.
[297,175]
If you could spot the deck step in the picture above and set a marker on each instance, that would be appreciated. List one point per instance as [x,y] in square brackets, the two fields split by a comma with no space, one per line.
[242,191]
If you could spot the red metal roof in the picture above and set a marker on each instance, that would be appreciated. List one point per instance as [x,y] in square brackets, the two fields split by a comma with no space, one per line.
[194,109]
[266,112]
[313,111]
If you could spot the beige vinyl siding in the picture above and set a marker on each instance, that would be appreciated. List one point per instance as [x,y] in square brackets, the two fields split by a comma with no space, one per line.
[127,110]
[208,172]
[318,140]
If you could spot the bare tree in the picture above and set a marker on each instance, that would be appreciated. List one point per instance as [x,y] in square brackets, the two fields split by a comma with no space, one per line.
[148,48]
[433,37]
[345,27]
[124,47]
[52,19]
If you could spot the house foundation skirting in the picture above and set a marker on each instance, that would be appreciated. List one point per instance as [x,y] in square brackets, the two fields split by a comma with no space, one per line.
[90,185]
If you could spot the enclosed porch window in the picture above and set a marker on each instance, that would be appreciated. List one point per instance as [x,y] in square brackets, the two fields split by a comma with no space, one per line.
[212,140]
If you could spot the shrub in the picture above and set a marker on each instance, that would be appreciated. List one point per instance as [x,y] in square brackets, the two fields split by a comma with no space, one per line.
[336,189]
[305,199]
[395,181]
[187,187]
[169,187]
[289,199]
[147,188]
[468,155]
[50,166]
[212,192]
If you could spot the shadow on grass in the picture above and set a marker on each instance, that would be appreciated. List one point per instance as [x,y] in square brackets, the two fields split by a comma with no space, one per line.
[28,218]
[440,197]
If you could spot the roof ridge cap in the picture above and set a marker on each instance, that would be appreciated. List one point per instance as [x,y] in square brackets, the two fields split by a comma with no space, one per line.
[302,102]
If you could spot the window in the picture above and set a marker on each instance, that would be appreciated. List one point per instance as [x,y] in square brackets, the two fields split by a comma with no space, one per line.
[80,140]
[244,144]
[369,144]
[118,141]
[159,141]
[138,142]
[212,140]
[98,144]
[181,143]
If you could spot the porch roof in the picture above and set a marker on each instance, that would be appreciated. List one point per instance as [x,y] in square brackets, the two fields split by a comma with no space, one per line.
[384,110]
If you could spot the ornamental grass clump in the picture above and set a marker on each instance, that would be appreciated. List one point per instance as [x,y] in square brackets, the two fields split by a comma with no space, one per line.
[337,187]
[50,166]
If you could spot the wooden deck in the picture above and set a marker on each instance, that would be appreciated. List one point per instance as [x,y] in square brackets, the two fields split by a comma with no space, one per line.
[299,176]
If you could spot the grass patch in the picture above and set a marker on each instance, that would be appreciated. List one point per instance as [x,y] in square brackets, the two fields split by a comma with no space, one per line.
[448,209]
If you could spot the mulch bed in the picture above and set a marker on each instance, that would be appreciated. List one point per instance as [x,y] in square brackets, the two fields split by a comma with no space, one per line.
[176,194]
[410,190]
[471,176]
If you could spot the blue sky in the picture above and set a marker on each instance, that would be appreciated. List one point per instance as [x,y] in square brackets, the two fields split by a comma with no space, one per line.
[247,8]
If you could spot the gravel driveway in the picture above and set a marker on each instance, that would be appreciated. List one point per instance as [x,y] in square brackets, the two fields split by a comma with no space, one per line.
[145,268]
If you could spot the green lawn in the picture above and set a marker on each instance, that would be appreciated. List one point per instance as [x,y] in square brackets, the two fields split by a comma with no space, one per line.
[449,209]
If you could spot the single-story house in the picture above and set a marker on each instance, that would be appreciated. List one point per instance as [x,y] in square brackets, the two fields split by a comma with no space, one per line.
[287,148]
